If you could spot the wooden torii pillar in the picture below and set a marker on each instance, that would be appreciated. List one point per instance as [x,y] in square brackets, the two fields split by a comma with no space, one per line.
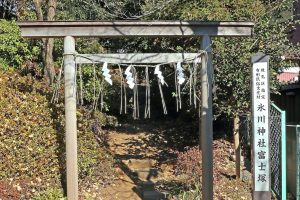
[71,29]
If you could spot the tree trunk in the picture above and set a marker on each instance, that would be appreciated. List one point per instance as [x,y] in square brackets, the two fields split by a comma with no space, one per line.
[21,5]
[39,15]
[38,9]
[49,64]
[237,147]
[47,51]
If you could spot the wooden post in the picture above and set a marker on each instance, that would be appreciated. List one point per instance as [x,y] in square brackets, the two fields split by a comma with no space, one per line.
[206,120]
[237,147]
[71,122]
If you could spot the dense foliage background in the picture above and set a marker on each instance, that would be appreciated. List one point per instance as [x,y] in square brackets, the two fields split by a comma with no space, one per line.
[231,56]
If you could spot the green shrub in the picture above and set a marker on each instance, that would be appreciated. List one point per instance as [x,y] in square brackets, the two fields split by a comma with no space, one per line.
[188,166]
[50,194]
[14,50]
[8,192]
[192,194]
[93,162]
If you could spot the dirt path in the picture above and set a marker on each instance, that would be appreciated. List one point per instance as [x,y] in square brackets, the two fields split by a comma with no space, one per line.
[145,157]
[139,164]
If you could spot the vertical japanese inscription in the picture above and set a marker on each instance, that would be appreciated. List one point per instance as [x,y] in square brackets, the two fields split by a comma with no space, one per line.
[260,90]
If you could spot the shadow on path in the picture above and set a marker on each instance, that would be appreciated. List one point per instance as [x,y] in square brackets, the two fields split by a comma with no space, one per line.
[145,189]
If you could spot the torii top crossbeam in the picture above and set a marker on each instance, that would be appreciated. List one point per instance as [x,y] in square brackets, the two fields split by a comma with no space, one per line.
[71,29]
[42,29]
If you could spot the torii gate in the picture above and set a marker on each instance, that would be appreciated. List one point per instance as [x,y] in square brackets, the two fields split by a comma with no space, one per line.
[71,29]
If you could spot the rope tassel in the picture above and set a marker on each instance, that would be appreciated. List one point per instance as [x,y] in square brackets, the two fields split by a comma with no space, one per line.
[147,107]
[94,86]
[123,92]
[162,97]
[195,83]
[136,108]
[56,93]
[191,83]
[81,84]
[131,77]
[179,80]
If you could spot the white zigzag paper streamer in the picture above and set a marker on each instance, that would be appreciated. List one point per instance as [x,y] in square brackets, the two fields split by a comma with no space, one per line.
[105,73]
[129,78]
[159,74]
[180,75]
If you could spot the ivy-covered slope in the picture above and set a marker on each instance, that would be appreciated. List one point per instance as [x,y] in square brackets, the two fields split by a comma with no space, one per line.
[32,147]
[28,139]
